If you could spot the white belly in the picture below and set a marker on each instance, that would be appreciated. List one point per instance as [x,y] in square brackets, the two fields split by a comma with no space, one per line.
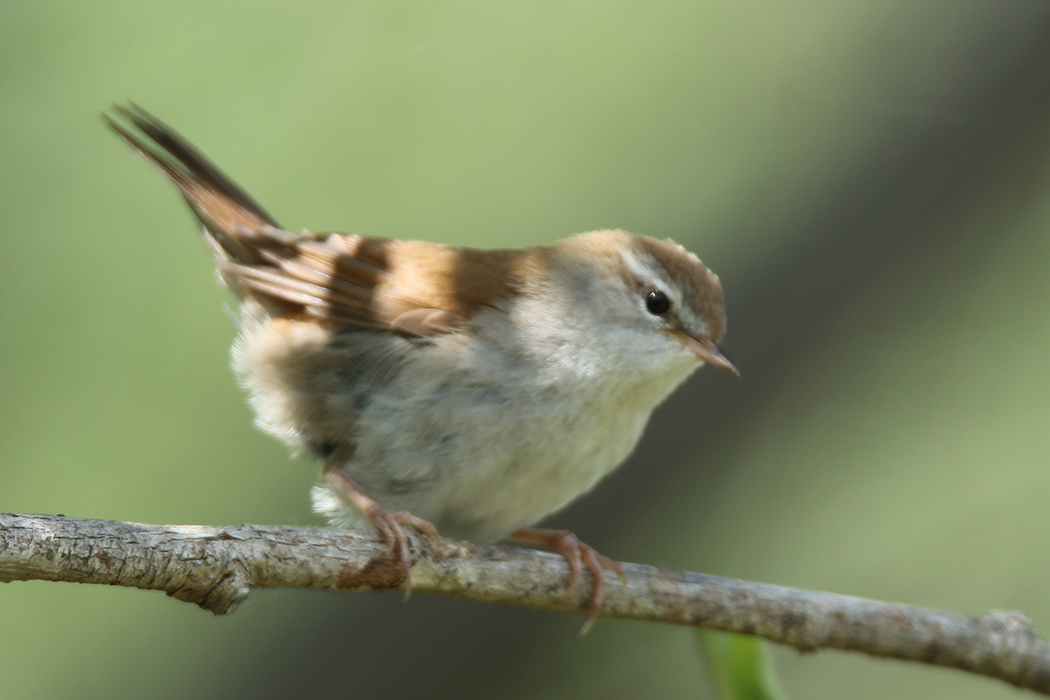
[533,457]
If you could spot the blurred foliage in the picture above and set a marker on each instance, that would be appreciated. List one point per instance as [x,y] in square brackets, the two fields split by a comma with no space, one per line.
[868,178]
[740,666]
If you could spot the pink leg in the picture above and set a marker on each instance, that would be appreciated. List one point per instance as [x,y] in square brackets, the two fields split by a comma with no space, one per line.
[390,524]
[578,555]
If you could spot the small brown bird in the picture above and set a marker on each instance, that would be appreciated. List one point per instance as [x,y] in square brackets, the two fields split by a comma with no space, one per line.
[471,391]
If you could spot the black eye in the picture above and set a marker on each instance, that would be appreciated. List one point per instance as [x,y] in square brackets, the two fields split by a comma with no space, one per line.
[657,303]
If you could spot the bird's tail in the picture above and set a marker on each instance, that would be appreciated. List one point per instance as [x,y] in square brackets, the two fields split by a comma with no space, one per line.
[236,228]
[330,278]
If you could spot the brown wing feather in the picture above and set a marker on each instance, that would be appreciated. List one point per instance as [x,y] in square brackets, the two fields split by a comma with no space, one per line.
[408,287]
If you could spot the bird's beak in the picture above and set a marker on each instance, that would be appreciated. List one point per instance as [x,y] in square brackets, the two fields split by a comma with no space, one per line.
[708,351]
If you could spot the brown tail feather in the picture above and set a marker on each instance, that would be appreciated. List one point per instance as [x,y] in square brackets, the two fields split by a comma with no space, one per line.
[332,279]
[228,214]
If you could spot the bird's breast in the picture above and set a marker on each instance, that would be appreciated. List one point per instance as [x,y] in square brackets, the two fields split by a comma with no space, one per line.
[533,452]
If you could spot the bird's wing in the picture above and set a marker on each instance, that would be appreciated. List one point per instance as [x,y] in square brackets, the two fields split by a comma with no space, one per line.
[407,287]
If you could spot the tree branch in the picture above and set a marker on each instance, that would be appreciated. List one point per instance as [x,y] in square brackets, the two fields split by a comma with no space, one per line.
[217,567]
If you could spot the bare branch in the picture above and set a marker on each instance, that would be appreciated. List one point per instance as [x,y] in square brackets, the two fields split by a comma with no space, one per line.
[217,567]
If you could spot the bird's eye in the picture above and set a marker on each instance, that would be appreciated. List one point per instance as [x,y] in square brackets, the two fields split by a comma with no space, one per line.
[657,302]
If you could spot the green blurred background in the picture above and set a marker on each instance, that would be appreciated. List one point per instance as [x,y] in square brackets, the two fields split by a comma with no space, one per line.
[869,179]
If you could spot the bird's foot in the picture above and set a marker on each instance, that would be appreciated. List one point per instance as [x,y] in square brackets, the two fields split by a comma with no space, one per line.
[578,555]
[391,524]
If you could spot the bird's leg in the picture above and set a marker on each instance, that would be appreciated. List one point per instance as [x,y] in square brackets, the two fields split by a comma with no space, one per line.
[578,555]
[389,523]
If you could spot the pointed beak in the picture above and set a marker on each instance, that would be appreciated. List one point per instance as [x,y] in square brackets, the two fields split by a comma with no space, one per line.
[708,351]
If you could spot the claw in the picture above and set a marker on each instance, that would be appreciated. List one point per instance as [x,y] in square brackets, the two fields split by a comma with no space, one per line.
[391,524]
[578,555]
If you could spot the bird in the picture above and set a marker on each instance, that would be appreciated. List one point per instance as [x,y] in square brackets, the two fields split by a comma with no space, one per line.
[449,389]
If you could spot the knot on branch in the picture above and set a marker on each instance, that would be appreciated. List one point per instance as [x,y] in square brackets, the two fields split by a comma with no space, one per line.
[1016,644]
[219,588]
